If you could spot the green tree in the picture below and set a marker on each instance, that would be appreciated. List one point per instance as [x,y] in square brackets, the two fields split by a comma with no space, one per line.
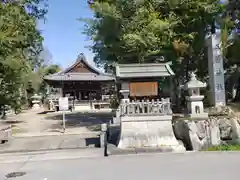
[129,31]
[142,29]
[47,70]
[20,45]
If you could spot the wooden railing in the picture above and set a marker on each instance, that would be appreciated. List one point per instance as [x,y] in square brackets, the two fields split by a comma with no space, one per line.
[147,107]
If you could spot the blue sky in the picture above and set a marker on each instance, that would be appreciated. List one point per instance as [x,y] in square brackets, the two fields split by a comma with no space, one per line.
[62,31]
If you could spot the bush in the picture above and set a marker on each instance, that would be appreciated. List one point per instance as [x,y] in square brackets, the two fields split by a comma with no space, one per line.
[114,103]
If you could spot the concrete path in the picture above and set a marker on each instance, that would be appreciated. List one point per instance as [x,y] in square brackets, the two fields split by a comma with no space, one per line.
[42,143]
[169,166]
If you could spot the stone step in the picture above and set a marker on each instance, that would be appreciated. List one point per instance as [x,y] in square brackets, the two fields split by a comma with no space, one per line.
[49,143]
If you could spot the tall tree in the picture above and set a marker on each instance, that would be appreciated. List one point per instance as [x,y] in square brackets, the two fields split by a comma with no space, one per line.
[231,47]
[142,29]
[20,45]
[128,31]
[46,70]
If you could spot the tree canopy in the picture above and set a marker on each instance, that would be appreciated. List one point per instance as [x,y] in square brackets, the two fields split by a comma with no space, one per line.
[131,31]
[128,31]
[20,45]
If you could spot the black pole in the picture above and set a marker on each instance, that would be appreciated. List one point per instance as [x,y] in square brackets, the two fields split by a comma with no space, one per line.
[105,144]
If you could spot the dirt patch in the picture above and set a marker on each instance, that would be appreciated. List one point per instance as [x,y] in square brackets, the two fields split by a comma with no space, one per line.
[41,121]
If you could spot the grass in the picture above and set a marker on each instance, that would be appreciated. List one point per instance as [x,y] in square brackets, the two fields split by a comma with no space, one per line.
[225,148]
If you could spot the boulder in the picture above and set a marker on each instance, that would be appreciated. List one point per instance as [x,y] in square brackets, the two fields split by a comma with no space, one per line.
[203,133]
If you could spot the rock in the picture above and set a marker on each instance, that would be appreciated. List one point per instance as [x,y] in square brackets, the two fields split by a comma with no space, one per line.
[215,135]
[235,127]
[201,134]
[225,127]
[196,141]
[198,134]
[181,131]
[220,111]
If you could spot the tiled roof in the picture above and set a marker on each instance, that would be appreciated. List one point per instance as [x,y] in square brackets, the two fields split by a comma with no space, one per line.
[79,77]
[143,70]
[81,58]
[66,75]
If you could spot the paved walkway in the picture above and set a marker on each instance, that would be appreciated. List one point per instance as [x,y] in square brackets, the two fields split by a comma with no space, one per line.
[44,143]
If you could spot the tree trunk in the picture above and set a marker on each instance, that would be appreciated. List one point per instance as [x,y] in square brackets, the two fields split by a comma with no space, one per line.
[177,95]
[237,98]
[3,109]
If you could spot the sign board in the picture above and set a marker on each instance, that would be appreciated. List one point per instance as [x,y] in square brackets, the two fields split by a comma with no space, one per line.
[143,89]
[63,103]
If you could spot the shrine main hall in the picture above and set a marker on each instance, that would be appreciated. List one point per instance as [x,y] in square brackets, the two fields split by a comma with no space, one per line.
[82,83]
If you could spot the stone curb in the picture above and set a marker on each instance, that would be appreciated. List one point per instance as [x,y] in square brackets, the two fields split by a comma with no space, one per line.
[113,150]
[60,134]
[44,150]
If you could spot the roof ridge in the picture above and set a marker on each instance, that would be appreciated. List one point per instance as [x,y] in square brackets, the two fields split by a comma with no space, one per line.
[81,58]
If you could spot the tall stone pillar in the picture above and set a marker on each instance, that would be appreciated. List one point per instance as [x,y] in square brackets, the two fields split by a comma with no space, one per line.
[215,69]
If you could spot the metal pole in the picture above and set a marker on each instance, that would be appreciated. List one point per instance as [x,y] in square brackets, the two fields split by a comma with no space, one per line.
[64,125]
[63,78]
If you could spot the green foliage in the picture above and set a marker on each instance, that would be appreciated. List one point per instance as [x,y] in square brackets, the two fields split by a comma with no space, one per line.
[134,31]
[46,70]
[20,45]
[130,31]
[114,103]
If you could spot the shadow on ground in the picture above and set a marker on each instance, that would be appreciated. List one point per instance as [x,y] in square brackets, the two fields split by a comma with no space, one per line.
[45,112]
[95,142]
[92,121]
[11,122]
[235,106]
[114,134]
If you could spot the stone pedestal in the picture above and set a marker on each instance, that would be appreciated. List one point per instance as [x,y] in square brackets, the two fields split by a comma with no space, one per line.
[195,107]
[148,132]
[36,104]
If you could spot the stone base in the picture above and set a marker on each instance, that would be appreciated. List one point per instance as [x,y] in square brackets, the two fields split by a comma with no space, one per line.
[148,132]
[36,106]
[113,150]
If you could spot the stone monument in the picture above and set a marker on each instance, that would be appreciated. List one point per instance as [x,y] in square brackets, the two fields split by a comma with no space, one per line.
[215,68]
[194,100]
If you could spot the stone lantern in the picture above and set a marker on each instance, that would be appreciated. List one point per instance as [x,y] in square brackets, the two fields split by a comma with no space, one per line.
[195,100]
[125,93]
[36,101]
